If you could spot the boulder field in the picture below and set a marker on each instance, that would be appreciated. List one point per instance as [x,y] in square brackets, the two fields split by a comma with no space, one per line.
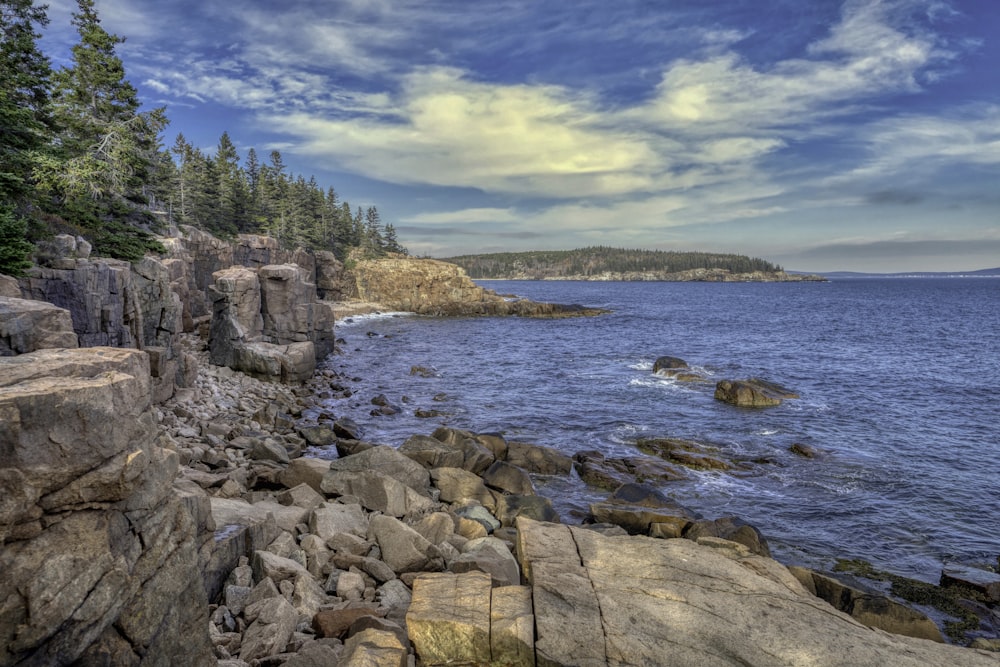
[196,532]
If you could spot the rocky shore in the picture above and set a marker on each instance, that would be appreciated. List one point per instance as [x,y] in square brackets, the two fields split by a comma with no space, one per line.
[196,502]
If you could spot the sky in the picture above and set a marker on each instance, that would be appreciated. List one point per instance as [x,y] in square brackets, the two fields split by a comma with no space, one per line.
[822,135]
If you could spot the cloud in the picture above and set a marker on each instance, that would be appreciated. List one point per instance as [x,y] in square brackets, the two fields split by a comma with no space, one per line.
[467,215]
[881,250]
[894,198]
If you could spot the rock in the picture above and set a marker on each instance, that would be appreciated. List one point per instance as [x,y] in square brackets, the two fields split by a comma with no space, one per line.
[479,515]
[638,519]
[334,519]
[305,471]
[752,393]
[610,473]
[805,451]
[460,486]
[510,507]
[268,450]
[275,568]
[669,366]
[99,553]
[512,626]
[313,654]
[684,452]
[347,428]
[436,527]
[291,312]
[449,618]
[382,625]
[373,648]
[724,606]
[432,287]
[350,586]
[26,326]
[318,436]
[389,462]
[873,609]
[508,478]
[9,287]
[336,622]
[274,621]
[376,492]
[489,555]
[538,459]
[467,453]
[403,549]
[732,529]
[302,495]
[987,583]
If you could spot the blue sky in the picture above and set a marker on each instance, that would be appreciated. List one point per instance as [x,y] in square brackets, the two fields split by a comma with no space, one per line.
[820,134]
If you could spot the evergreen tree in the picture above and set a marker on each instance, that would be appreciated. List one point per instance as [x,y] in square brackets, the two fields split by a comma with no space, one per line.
[232,188]
[14,247]
[25,118]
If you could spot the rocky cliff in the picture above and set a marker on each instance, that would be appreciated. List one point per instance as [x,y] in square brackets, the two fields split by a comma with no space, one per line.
[432,287]
[98,560]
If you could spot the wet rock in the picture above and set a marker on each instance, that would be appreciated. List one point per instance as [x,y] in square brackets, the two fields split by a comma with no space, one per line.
[669,365]
[670,518]
[732,529]
[871,608]
[688,453]
[510,507]
[347,428]
[984,581]
[752,393]
[538,459]
[805,451]
[508,478]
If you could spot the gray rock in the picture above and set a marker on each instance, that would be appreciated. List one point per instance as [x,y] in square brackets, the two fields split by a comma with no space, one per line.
[334,518]
[538,459]
[508,478]
[376,492]
[389,462]
[460,486]
[26,326]
[404,549]
[274,621]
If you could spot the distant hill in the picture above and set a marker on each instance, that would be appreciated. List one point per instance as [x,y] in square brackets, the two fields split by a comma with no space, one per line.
[982,273]
[603,263]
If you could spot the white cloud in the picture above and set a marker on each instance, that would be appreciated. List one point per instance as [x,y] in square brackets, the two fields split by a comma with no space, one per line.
[466,215]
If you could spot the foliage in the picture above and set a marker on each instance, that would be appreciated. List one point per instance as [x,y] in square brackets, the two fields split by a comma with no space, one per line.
[597,260]
[77,153]
[14,247]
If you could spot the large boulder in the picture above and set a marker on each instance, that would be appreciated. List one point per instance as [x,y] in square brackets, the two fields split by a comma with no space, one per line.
[715,603]
[26,326]
[99,553]
[291,311]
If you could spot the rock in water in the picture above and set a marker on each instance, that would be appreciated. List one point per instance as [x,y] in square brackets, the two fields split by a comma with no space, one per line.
[752,393]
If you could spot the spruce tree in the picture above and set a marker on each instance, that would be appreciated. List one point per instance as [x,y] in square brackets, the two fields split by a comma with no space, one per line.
[25,112]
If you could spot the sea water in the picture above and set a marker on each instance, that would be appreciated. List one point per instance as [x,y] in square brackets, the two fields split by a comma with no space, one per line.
[898,381]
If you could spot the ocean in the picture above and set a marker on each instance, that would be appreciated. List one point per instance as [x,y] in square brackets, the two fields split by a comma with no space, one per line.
[898,383]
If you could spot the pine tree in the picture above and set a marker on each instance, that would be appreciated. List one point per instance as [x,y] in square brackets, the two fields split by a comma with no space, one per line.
[232,188]
[25,111]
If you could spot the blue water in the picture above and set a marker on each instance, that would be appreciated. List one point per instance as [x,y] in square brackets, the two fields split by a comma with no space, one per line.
[898,382]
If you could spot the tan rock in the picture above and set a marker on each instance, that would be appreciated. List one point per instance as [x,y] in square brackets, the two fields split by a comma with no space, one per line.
[449,618]
[373,648]
[512,627]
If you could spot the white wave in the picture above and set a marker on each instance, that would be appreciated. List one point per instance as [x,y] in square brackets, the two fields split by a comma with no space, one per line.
[768,431]
[642,366]
[354,320]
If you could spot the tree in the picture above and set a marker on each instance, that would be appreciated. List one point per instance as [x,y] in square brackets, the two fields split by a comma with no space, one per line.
[106,147]
[14,247]
[25,110]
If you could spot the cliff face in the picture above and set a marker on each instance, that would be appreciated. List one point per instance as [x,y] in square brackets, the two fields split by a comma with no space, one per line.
[98,559]
[432,287]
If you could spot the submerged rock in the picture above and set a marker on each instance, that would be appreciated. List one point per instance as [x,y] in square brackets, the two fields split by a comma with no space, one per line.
[752,393]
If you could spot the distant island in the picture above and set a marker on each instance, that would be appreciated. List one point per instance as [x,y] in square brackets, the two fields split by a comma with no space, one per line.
[851,275]
[619,264]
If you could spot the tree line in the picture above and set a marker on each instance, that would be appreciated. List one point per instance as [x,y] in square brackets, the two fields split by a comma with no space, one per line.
[78,156]
[596,260]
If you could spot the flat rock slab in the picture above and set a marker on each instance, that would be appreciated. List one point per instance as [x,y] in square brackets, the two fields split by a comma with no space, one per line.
[634,600]
[449,618]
